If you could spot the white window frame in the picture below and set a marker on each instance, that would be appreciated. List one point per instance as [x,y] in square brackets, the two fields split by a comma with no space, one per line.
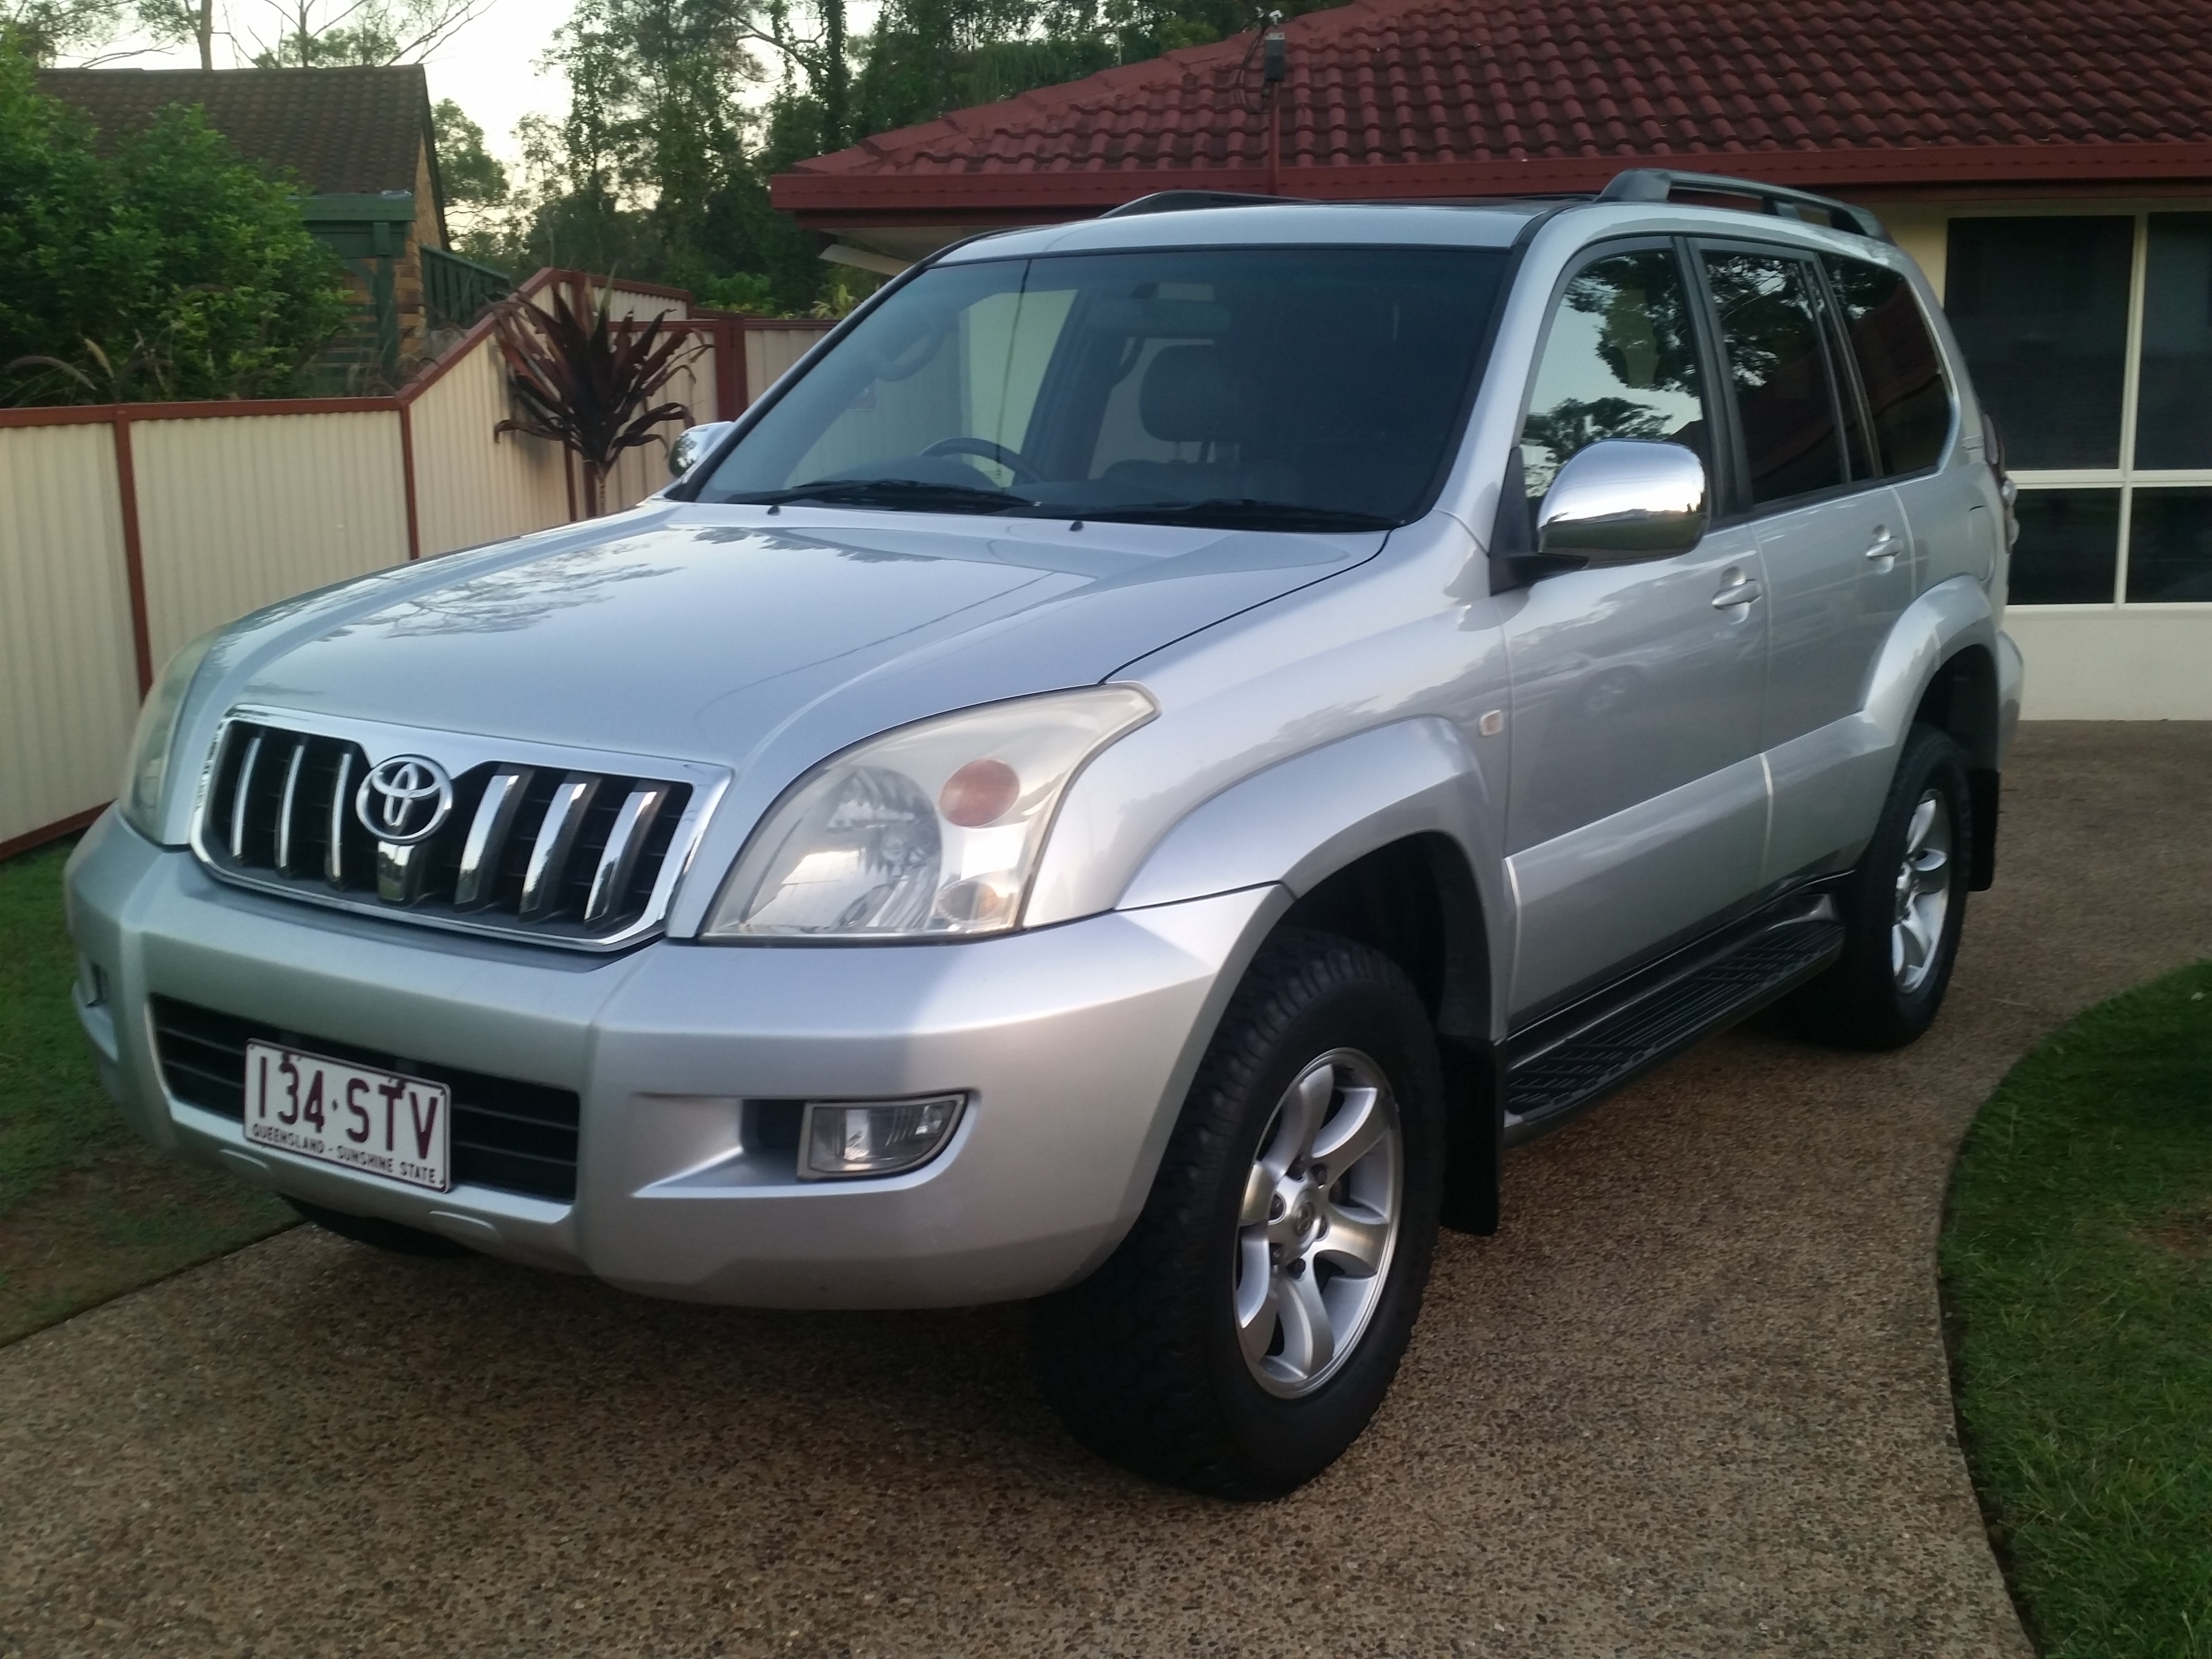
[2126,477]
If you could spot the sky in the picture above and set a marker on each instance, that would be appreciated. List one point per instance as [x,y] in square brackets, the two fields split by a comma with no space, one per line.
[488,67]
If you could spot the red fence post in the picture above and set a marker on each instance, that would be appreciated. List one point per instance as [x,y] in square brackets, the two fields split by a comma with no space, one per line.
[407,472]
[730,388]
[134,555]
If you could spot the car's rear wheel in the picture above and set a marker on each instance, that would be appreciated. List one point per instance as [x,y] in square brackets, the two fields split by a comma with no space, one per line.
[1247,1328]
[392,1236]
[1903,908]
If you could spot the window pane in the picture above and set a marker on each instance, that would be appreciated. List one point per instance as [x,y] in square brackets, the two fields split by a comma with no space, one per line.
[2040,308]
[2170,546]
[2069,551]
[1772,336]
[1620,362]
[1898,365]
[2174,418]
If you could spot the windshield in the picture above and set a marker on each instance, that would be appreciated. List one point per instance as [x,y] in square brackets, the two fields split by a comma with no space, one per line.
[1285,388]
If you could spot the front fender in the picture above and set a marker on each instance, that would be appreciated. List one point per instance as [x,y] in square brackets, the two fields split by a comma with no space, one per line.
[1305,817]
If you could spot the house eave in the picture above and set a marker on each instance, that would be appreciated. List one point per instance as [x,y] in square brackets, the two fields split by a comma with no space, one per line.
[835,198]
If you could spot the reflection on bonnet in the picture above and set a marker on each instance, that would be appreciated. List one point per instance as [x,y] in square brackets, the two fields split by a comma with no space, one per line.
[518,596]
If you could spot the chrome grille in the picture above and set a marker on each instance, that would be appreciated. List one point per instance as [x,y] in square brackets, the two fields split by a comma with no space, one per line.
[548,851]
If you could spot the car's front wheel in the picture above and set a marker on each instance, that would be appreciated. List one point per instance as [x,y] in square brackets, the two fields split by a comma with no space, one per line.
[1247,1328]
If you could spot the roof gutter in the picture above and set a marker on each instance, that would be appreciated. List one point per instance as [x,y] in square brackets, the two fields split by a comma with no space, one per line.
[825,199]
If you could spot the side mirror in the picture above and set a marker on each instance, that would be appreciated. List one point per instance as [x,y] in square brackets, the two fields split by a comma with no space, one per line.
[694,442]
[1624,500]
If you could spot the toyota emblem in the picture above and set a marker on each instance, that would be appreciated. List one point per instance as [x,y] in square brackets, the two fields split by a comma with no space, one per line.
[404,800]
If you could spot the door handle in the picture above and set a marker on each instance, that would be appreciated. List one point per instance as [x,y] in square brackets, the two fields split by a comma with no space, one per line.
[1738,593]
[1885,544]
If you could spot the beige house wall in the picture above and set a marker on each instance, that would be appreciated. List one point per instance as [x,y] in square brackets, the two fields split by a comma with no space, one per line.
[1923,232]
[407,297]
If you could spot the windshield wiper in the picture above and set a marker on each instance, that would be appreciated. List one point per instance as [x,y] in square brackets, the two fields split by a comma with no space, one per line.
[1242,514]
[910,493]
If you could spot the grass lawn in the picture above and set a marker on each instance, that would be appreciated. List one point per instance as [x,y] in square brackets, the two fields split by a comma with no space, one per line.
[2077,1263]
[87,1210]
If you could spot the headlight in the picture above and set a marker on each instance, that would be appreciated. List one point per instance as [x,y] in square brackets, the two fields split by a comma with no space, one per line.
[140,798]
[933,830]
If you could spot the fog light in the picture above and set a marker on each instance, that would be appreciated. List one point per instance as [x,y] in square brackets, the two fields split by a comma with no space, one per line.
[875,1137]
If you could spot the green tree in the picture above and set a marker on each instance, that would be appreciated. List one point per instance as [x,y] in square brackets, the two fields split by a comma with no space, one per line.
[167,269]
[1145,28]
[649,171]
[316,34]
[44,30]
[472,176]
[181,22]
[926,56]
[660,166]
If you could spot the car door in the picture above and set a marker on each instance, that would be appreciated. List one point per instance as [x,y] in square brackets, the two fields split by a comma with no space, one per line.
[1912,416]
[1637,807]
[1836,542]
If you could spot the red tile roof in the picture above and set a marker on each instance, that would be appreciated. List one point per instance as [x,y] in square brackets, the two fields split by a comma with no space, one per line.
[1439,97]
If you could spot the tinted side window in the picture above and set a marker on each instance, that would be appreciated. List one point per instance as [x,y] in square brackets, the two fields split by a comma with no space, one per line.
[1898,365]
[1770,335]
[1620,362]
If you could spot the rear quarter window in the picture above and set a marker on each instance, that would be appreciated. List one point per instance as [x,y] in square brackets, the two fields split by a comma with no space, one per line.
[1907,397]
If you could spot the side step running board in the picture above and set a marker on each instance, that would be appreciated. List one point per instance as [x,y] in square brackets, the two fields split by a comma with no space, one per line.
[1572,1058]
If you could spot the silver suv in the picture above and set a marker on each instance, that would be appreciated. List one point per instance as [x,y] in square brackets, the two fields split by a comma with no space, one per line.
[1129,779]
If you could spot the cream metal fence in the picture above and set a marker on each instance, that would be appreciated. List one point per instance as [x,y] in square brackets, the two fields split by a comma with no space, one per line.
[69,677]
[127,530]
[469,489]
[236,513]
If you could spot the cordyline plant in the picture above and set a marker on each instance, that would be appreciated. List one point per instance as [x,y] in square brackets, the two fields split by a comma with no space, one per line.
[586,383]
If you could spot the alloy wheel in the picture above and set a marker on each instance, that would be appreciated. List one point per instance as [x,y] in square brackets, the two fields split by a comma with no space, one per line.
[1924,893]
[1319,1222]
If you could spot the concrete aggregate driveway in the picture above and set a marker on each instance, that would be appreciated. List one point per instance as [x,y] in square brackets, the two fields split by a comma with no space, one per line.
[1693,1401]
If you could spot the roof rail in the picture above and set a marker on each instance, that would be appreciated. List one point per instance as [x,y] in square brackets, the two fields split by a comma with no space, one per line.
[1185,201]
[1660,184]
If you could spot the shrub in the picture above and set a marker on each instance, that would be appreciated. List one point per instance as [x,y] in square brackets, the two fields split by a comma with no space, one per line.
[164,268]
[580,380]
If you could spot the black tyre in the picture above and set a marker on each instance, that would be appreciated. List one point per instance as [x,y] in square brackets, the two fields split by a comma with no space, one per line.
[375,1229]
[1247,1329]
[1902,909]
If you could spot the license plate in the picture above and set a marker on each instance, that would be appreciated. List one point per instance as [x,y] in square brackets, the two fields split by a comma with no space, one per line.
[378,1122]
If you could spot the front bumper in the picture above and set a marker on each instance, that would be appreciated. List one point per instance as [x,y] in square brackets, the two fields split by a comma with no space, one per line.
[1075,1045]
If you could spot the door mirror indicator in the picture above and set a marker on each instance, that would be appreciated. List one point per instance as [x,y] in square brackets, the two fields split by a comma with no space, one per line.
[1622,501]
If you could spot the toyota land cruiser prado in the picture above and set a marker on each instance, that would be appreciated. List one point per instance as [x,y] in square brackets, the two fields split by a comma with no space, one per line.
[1130,778]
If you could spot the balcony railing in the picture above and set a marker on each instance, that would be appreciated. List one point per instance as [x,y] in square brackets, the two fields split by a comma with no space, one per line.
[457,291]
